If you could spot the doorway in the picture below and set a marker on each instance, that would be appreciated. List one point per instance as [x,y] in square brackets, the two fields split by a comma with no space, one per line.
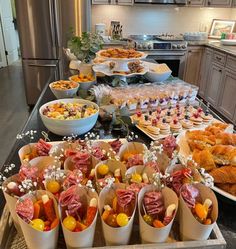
[9,42]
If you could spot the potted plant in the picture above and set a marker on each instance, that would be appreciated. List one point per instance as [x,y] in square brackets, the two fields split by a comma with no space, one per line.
[85,47]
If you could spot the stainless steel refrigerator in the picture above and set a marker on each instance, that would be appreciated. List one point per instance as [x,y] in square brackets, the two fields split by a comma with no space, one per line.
[44,28]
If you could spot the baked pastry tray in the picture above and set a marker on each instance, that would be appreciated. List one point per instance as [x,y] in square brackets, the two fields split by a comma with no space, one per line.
[9,239]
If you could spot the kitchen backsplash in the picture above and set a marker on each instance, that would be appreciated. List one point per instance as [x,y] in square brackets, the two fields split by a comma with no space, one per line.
[157,19]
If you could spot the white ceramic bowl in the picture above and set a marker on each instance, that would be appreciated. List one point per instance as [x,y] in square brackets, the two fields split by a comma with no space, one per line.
[61,94]
[156,76]
[68,127]
[84,85]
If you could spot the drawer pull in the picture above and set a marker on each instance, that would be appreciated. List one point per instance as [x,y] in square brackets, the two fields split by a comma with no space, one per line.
[218,58]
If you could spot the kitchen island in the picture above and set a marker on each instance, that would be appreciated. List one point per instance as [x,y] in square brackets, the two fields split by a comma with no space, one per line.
[227,215]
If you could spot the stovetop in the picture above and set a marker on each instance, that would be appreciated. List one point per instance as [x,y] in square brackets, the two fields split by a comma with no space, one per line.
[159,42]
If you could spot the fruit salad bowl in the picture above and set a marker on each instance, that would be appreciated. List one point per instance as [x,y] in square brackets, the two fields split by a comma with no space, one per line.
[57,118]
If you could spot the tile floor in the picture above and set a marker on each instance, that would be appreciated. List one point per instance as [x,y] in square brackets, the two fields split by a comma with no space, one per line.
[13,108]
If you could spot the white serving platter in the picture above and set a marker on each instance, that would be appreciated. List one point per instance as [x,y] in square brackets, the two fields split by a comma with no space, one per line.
[228,42]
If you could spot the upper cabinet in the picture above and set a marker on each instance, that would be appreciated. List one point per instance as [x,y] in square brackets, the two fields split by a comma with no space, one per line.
[218,3]
[118,2]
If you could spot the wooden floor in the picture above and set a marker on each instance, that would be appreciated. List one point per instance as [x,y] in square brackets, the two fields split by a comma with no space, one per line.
[13,108]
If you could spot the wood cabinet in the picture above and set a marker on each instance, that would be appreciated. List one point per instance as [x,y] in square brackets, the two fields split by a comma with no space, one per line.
[192,66]
[119,2]
[218,3]
[214,84]
[195,2]
[227,100]
[204,71]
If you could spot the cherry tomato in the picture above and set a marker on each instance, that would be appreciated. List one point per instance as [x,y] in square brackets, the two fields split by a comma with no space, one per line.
[53,186]
[136,178]
[148,219]
[122,219]
[103,169]
[70,223]
[38,224]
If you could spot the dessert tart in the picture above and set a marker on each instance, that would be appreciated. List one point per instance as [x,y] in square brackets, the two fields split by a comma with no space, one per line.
[153,130]
[196,119]
[186,123]
[164,127]
[175,126]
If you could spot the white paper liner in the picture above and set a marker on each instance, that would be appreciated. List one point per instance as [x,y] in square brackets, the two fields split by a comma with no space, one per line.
[190,228]
[113,165]
[151,234]
[11,203]
[132,147]
[83,238]
[114,235]
[140,169]
[36,239]
[43,162]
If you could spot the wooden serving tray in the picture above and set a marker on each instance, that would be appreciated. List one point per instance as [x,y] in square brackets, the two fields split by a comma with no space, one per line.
[9,239]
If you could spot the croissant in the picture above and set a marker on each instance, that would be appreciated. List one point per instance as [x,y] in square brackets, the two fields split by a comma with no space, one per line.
[225,174]
[230,188]
[224,154]
[205,159]
[226,138]
[216,128]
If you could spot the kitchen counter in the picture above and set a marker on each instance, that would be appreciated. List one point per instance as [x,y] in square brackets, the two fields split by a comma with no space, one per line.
[227,214]
[215,45]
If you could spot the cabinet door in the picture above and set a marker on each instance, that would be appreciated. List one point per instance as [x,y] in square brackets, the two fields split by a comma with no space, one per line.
[195,2]
[204,71]
[124,2]
[227,100]
[213,84]
[101,1]
[192,66]
[218,3]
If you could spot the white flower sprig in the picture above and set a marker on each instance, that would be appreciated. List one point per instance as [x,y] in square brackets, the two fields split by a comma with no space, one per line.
[131,136]
[28,186]
[90,186]
[28,134]
[70,138]
[160,179]
[54,173]
[7,170]
[149,156]
[208,180]
[109,181]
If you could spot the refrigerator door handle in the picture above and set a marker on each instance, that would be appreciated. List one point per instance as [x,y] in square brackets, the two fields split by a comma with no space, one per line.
[57,22]
[52,28]
[42,65]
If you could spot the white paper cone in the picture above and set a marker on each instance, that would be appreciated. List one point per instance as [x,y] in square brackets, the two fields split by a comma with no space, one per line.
[132,147]
[151,234]
[59,148]
[43,162]
[37,239]
[84,238]
[114,235]
[113,165]
[26,149]
[190,228]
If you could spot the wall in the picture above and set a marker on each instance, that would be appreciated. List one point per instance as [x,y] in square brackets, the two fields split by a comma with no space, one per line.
[152,19]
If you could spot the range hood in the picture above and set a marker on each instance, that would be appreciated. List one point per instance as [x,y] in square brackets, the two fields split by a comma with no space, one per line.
[177,2]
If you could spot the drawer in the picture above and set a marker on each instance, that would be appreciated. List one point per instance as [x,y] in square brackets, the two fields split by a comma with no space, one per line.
[231,62]
[219,58]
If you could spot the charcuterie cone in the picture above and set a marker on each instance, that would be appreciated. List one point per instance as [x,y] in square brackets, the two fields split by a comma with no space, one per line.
[190,227]
[11,202]
[114,235]
[113,165]
[36,239]
[43,162]
[85,237]
[148,233]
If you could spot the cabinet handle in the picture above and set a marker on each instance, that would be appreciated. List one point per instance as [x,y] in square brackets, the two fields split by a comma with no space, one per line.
[117,1]
[218,58]
[209,2]
[190,51]
[220,70]
[189,2]
[109,1]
